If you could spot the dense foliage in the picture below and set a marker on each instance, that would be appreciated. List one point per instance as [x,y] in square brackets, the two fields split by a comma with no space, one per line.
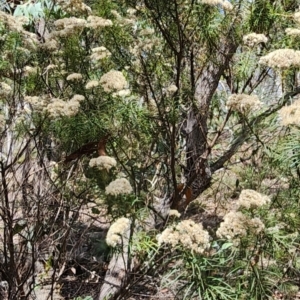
[172,126]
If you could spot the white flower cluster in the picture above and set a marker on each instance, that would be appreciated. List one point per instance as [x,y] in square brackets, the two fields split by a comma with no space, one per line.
[236,225]
[252,39]
[74,77]
[68,26]
[113,81]
[171,89]
[174,213]
[91,84]
[290,115]
[99,53]
[103,162]
[117,232]
[243,103]
[15,23]
[252,199]
[55,107]
[187,234]
[74,6]
[95,22]
[118,187]
[292,31]
[223,3]
[281,58]
[5,89]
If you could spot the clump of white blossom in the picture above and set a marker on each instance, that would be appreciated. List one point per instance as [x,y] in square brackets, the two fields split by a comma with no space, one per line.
[174,213]
[118,187]
[290,115]
[282,59]
[171,89]
[252,39]
[223,3]
[252,199]
[95,22]
[103,162]
[74,77]
[113,81]
[55,107]
[91,84]
[16,23]
[187,234]
[237,225]
[99,53]
[117,232]
[68,26]
[5,89]
[74,6]
[38,103]
[243,103]
[292,31]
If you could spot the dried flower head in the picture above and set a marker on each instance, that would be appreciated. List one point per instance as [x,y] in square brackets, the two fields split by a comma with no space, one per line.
[223,3]
[68,26]
[74,6]
[98,22]
[58,108]
[171,89]
[74,77]
[103,162]
[5,89]
[175,213]
[99,53]
[252,39]
[113,81]
[243,103]
[187,234]
[118,187]
[117,232]
[77,98]
[236,225]
[252,199]
[290,115]
[292,31]
[281,58]
[297,17]
[91,84]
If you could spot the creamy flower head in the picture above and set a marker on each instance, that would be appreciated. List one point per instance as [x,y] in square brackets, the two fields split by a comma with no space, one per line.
[171,89]
[58,108]
[103,162]
[290,115]
[187,234]
[243,103]
[68,26]
[252,199]
[99,53]
[113,81]
[297,17]
[74,77]
[5,89]
[91,84]
[253,39]
[292,31]
[223,3]
[281,58]
[96,22]
[118,187]
[74,6]
[175,213]
[117,232]
[236,225]
[77,98]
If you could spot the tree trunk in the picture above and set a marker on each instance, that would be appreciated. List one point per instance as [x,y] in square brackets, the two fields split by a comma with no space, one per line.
[198,173]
